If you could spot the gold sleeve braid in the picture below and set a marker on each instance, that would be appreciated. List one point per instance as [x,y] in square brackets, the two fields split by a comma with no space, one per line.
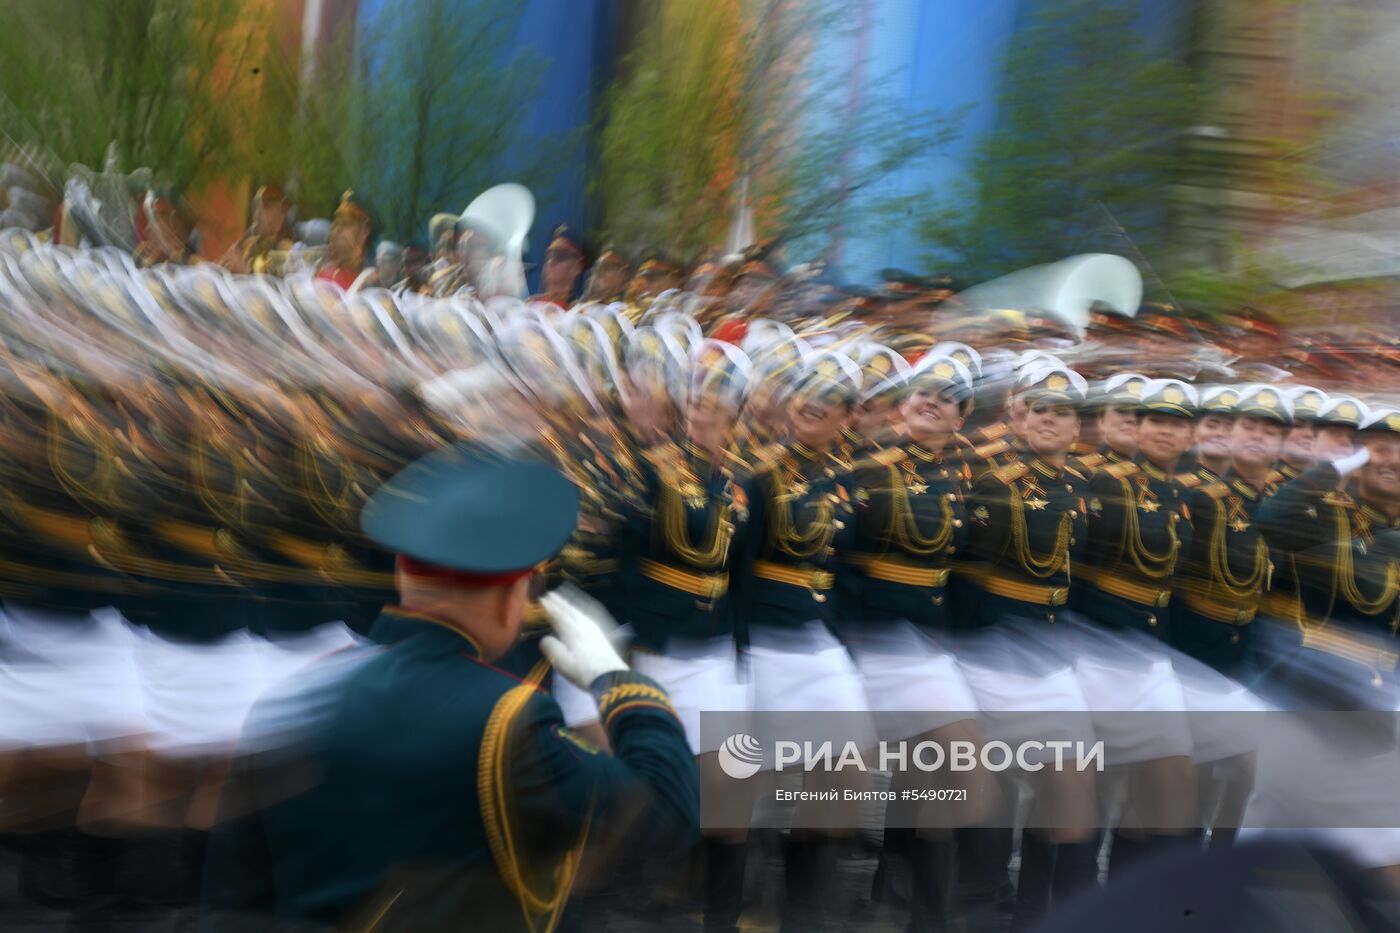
[625,696]
[541,900]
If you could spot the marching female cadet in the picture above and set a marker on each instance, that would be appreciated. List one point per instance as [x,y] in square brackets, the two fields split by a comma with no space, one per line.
[1221,581]
[672,594]
[1224,573]
[1026,520]
[884,375]
[799,510]
[1114,413]
[1136,529]
[909,524]
[1210,458]
[1297,453]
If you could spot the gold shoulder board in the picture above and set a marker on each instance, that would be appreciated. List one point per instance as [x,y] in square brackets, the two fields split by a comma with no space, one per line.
[1091,462]
[1011,472]
[1121,470]
[995,431]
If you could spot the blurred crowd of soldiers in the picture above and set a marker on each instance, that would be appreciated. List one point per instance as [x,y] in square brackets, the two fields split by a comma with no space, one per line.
[772,467]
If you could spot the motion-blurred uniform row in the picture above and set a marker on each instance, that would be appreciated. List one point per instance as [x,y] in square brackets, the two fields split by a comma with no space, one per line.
[832,515]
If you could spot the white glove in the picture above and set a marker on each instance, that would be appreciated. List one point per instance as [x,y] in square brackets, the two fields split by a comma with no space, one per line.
[580,648]
[1352,461]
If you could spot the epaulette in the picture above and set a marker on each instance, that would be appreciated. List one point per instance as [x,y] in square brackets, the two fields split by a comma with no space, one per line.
[1187,480]
[1275,477]
[1091,461]
[880,458]
[1216,490]
[995,431]
[1011,472]
[987,451]
[1120,470]
[1075,473]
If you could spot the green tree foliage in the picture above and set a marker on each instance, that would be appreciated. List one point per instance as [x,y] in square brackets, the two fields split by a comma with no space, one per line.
[721,100]
[423,113]
[170,82]
[1088,119]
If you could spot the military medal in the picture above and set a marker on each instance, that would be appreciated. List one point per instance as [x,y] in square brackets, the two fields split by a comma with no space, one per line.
[1037,504]
[693,495]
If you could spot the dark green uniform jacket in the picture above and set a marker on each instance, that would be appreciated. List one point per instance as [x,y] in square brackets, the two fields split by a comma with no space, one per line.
[1027,529]
[910,523]
[431,790]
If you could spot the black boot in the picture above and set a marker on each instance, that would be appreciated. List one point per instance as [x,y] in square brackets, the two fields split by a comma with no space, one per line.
[984,860]
[891,885]
[1033,882]
[1076,868]
[812,878]
[933,871]
[724,884]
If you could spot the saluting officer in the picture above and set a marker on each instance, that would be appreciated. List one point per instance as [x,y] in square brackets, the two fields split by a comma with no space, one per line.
[428,788]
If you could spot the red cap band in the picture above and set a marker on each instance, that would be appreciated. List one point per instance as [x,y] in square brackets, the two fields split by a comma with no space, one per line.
[446,576]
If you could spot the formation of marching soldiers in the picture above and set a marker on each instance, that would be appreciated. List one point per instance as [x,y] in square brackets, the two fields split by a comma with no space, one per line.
[853,518]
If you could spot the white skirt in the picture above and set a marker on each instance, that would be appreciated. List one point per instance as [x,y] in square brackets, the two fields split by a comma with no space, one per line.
[1322,785]
[68,678]
[1220,711]
[197,695]
[1024,687]
[912,682]
[1135,699]
[800,674]
[700,678]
